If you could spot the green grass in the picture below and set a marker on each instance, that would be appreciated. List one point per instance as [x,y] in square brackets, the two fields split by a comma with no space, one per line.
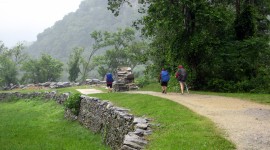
[157,87]
[255,97]
[58,90]
[72,89]
[40,125]
[26,90]
[176,127]
[26,125]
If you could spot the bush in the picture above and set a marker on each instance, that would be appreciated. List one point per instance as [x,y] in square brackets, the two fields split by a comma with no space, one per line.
[142,81]
[220,85]
[173,85]
[73,103]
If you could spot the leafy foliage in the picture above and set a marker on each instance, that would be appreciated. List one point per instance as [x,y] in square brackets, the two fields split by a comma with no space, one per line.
[73,103]
[42,70]
[122,49]
[10,63]
[74,63]
[245,23]
[223,50]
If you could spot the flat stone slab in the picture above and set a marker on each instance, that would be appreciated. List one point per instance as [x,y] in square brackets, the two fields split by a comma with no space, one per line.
[89,91]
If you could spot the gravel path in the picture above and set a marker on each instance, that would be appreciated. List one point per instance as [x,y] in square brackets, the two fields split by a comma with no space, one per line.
[245,123]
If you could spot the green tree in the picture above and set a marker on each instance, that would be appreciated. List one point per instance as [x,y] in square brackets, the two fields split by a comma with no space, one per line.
[201,35]
[245,23]
[86,62]
[122,49]
[42,70]
[74,64]
[8,69]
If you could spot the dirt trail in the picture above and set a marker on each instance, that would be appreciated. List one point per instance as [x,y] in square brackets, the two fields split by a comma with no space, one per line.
[245,123]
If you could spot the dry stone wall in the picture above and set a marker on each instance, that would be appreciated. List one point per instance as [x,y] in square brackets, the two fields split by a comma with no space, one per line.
[119,128]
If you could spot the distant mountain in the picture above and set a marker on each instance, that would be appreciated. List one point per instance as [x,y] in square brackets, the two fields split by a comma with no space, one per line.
[75,28]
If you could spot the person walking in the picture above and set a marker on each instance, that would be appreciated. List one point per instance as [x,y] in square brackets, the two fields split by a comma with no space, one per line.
[109,81]
[181,76]
[164,79]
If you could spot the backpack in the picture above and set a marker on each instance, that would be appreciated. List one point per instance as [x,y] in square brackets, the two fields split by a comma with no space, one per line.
[109,77]
[165,76]
[182,74]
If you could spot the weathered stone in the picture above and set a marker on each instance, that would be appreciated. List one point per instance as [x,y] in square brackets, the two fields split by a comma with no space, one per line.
[125,147]
[140,120]
[131,137]
[142,125]
[70,116]
[139,132]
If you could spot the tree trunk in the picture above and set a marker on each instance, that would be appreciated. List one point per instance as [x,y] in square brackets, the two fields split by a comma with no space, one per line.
[237,7]
[189,20]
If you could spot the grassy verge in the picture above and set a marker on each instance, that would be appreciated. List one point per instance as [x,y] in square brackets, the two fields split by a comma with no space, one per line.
[71,89]
[259,98]
[37,124]
[157,87]
[176,127]
[59,90]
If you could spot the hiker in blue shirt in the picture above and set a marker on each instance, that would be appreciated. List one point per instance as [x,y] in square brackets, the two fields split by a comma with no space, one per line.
[164,79]
[109,81]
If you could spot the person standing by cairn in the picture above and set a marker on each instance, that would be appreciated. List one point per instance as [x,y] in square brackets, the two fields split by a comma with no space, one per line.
[181,76]
[109,80]
[164,79]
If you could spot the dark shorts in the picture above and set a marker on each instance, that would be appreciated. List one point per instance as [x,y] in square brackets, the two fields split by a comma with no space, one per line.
[109,85]
[164,83]
[182,80]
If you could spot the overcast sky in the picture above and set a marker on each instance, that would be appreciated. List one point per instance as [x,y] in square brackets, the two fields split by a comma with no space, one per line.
[22,20]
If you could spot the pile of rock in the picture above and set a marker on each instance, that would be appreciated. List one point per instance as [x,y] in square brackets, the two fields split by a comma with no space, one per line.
[124,80]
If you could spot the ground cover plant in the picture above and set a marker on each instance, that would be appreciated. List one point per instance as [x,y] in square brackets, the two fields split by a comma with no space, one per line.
[175,126]
[39,124]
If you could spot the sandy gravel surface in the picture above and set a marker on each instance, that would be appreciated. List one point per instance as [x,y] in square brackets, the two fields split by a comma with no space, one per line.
[245,123]
[89,91]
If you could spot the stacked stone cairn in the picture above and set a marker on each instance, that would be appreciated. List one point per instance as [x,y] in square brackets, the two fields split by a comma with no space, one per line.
[124,80]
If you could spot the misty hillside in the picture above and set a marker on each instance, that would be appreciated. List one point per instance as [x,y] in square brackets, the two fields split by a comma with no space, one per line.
[75,28]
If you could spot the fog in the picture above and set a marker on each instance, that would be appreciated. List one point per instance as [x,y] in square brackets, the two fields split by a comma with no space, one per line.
[23,20]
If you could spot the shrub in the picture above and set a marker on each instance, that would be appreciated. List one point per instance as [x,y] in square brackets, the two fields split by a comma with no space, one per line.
[173,85]
[142,81]
[73,103]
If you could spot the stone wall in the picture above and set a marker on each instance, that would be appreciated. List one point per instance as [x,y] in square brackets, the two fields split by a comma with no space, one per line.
[119,129]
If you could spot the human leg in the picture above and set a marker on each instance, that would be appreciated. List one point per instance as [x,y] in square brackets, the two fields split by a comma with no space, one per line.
[181,87]
[186,87]
[163,89]
[163,85]
[109,87]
